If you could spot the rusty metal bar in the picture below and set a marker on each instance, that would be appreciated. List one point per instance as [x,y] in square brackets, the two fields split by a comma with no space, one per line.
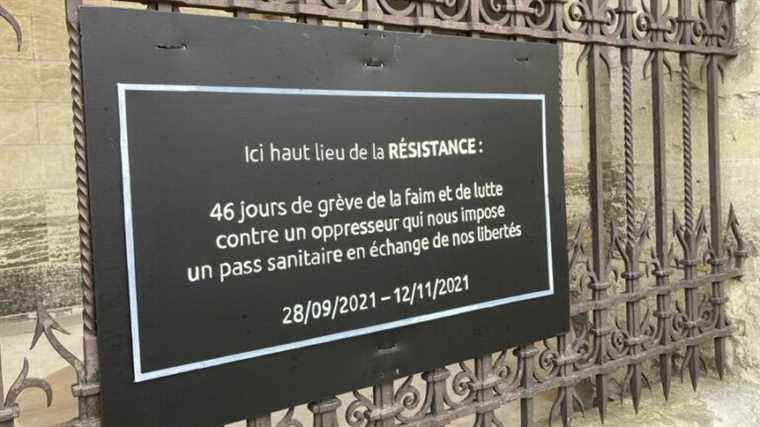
[263,421]
[484,373]
[646,292]
[630,246]
[526,364]
[717,259]
[663,252]
[599,262]
[163,6]
[690,234]
[385,402]
[87,390]
[325,412]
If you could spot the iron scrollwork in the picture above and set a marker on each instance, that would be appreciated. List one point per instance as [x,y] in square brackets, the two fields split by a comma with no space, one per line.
[14,24]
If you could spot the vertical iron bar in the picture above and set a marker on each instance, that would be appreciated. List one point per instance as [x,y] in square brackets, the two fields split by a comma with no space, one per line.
[382,395]
[599,287]
[730,6]
[163,6]
[373,11]
[309,19]
[658,123]
[566,393]
[716,234]
[325,412]
[630,247]
[436,380]
[626,59]
[631,274]
[596,166]
[662,245]
[483,373]
[426,10]
[688,179]
[526,360]
[87,389]
[691,231]
[262,421]
[474,18]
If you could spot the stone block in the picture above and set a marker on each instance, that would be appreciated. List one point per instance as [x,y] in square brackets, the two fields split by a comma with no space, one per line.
[19,82]
[16,169]
[55,124]
[53,285]
[24,244]
[22,206]
[54,81]
[36,167]
[62,240]
[18,123]
[61,202]
[59,171]
[50,37]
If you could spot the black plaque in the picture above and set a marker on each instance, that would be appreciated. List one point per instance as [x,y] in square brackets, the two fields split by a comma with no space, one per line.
[283,212]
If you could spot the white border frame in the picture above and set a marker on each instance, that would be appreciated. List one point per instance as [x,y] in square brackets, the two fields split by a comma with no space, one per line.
[123,88]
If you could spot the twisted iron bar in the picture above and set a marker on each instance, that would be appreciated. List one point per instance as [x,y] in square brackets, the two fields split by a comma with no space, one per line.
[628,155]
[87,390]
[688,178]
[631,246]
[689,236]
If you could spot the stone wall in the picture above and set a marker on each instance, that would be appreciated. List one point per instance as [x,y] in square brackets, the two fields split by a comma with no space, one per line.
[38,233]
[740,133]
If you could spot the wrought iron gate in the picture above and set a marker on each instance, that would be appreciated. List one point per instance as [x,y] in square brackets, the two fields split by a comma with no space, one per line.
[685,285]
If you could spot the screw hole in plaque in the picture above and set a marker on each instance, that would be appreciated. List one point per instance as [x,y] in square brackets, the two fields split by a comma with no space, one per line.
[172,46]
[374,63]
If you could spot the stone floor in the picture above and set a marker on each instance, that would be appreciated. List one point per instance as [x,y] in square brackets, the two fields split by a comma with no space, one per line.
[727,403]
